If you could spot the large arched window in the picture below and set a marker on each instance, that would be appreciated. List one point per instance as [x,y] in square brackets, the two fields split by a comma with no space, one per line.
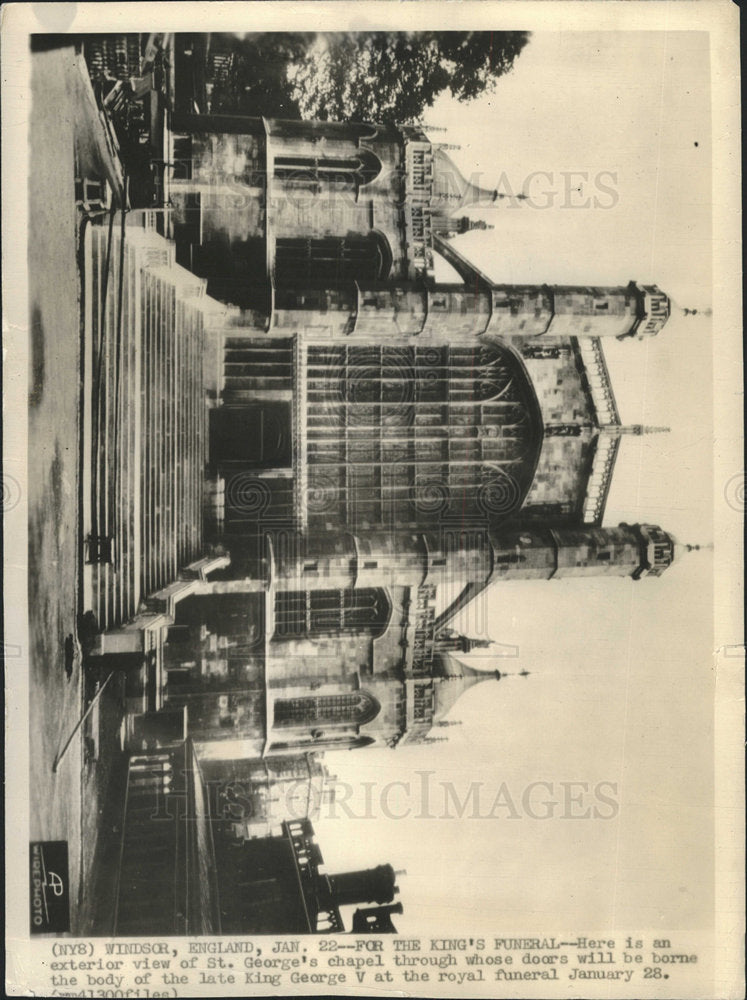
[331,612]
[329,260]
[315,173]
[351,708]
[408,435]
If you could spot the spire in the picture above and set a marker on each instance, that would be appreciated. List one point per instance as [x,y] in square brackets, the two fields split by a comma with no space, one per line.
[452,191]
[455,679]
[617,430]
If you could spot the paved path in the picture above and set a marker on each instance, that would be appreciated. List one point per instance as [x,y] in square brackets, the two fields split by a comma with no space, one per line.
[56,691]
[66,139]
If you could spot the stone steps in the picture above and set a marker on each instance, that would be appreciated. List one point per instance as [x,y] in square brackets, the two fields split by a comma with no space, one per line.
[148,434]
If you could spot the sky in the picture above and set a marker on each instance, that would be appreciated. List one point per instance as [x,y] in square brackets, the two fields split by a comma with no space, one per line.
[620,691]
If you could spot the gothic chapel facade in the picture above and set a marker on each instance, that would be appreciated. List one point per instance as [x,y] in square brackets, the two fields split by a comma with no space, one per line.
[382,447]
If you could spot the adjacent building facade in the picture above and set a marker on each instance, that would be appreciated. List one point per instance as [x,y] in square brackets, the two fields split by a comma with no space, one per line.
[181,869]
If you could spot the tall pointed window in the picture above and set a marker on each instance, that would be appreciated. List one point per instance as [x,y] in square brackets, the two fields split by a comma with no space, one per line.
[354,708]
[316,173]
[407,435]
[331,612]
[328,260]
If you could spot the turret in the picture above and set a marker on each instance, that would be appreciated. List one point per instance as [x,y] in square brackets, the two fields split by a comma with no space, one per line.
[578,311]
[457,553]
[590,311]
[657,550]
[594,312]
[470,309]
[598,552]
[628,550]
[346,561]
[654,310]
[380,559]
[634,550]
[520,310]
[560,311]
[328,312]
[456,311]
[388,310]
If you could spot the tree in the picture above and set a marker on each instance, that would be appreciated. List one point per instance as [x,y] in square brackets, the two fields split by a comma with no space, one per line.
[395,76]
[249,72]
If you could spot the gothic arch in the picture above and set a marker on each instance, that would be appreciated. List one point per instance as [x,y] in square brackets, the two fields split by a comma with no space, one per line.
[353,611]
[329,261]
[352,171]
[369,166]
[384,254]
[350,708]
